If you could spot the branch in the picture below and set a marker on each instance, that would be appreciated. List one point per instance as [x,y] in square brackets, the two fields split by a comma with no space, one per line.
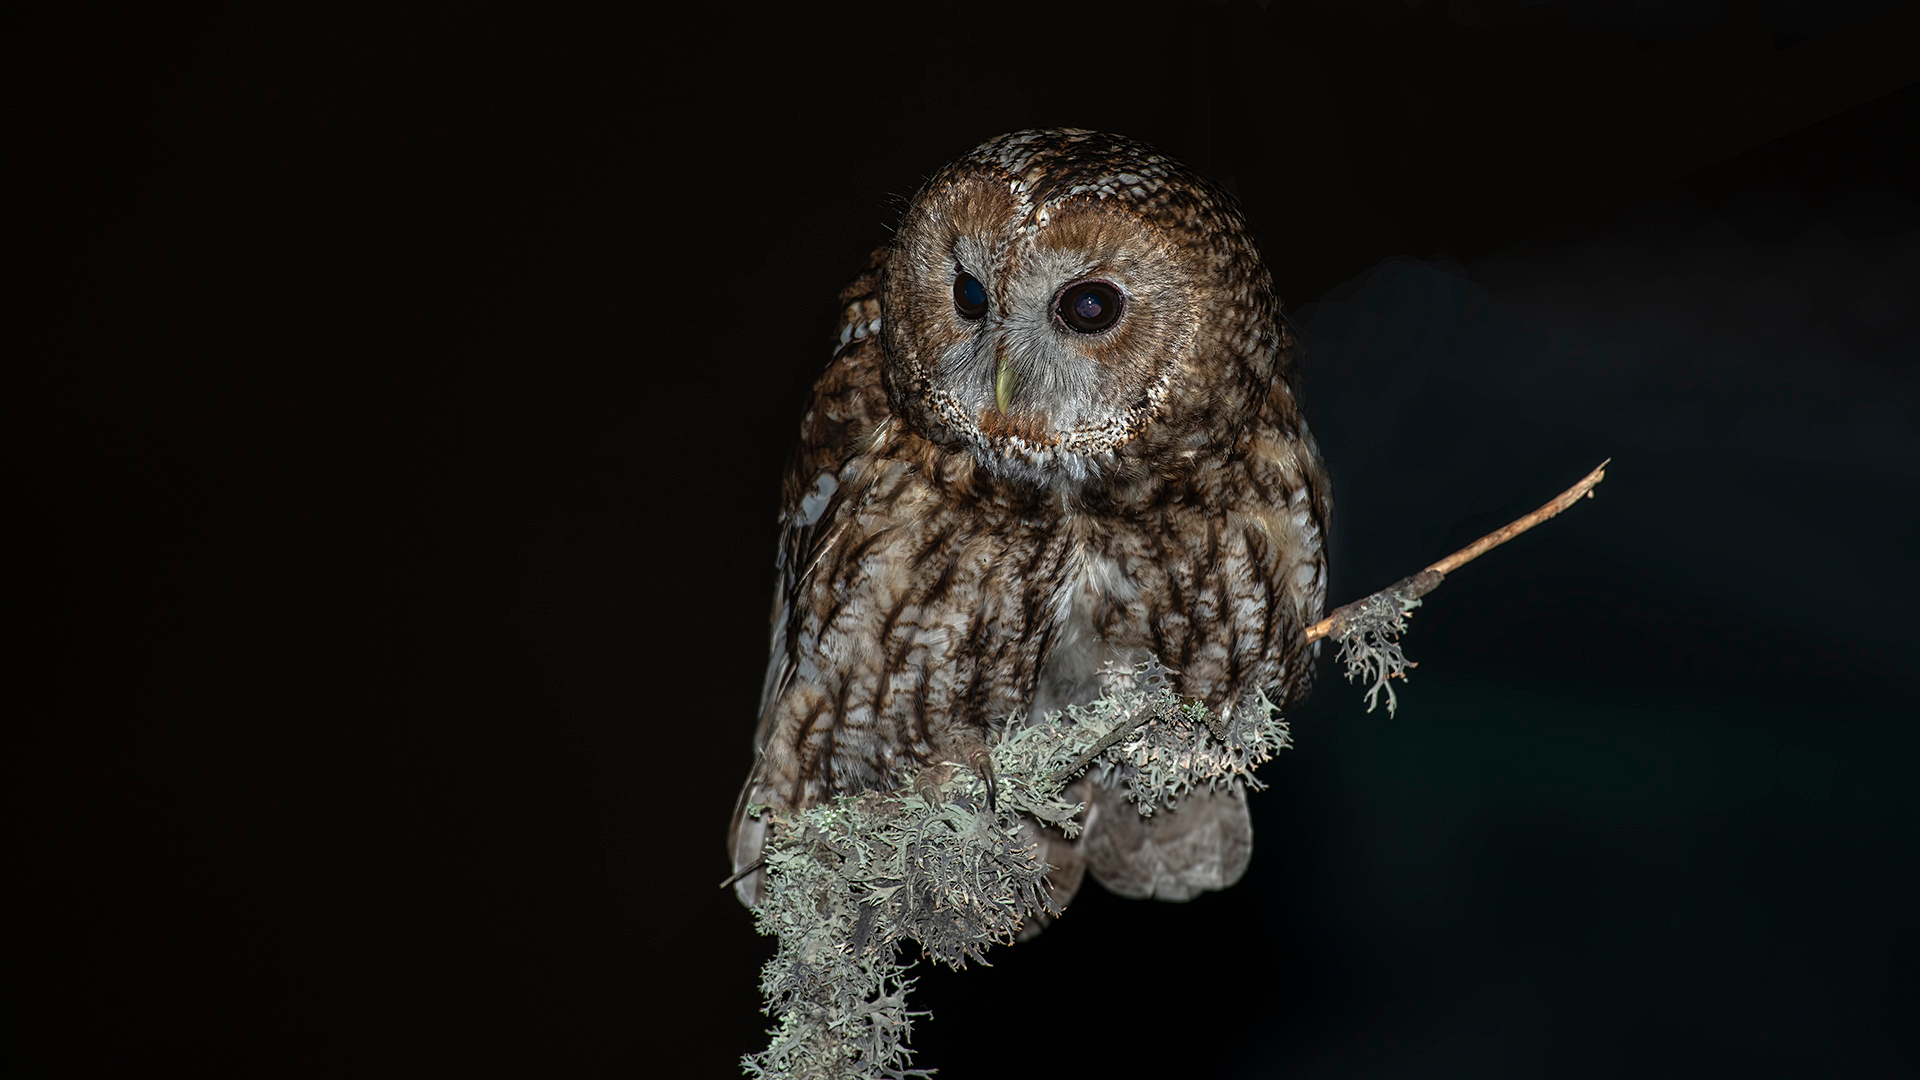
[1106,742]
[1369,629]
[854,880]
[1424,582]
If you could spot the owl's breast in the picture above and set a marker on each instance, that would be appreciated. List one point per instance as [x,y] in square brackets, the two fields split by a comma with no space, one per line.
[1102,620]
[1217,585]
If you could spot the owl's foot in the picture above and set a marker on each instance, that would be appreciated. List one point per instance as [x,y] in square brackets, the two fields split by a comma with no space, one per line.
[975,756]
[980,760]
[927,784]
[1217,718]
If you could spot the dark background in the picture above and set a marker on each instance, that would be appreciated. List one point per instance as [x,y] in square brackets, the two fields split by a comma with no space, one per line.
[396,406]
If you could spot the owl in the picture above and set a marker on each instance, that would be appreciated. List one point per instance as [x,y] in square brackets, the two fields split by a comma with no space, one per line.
[1059,432]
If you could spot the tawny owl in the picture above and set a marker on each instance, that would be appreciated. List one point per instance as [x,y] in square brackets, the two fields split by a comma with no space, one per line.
[1059,431]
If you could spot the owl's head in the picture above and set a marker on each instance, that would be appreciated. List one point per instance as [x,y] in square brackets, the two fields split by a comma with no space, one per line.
[1067,305]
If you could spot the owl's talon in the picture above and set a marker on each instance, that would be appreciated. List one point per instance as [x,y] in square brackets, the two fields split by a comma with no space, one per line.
[980,760]
[927,784]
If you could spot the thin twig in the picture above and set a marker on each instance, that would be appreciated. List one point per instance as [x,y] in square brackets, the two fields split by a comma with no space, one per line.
[1105,743]
[744,871]
[1494,539]
[1424,582]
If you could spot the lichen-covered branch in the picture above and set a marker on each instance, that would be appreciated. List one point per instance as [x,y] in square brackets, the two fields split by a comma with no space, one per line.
[850,883]
[1369,629]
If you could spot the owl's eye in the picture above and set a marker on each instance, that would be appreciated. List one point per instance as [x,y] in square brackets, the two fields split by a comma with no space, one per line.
[1090,306]
[969,296]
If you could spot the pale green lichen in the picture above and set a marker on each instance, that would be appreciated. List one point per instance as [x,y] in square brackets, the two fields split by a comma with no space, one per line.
[1369,641]
[849,883]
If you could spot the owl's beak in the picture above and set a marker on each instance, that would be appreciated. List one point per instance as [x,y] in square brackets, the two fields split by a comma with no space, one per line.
[1003,384]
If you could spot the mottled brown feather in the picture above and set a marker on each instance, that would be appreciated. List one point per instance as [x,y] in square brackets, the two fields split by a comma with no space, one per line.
[1152,490]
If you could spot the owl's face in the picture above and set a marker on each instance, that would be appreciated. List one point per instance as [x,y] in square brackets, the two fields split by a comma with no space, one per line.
[1058,300]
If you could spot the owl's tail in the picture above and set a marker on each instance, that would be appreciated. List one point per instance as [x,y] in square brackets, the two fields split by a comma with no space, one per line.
[1202,845]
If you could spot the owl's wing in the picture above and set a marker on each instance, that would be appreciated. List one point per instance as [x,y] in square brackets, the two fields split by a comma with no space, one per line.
[847,402]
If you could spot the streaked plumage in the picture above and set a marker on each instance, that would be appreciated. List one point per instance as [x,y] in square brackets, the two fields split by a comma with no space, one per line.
[983,510]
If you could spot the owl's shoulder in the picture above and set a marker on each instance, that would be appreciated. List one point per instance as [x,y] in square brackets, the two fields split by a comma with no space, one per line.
[848,401]
[860,302]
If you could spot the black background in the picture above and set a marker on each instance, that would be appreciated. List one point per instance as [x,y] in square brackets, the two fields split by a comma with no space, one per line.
[396,412]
